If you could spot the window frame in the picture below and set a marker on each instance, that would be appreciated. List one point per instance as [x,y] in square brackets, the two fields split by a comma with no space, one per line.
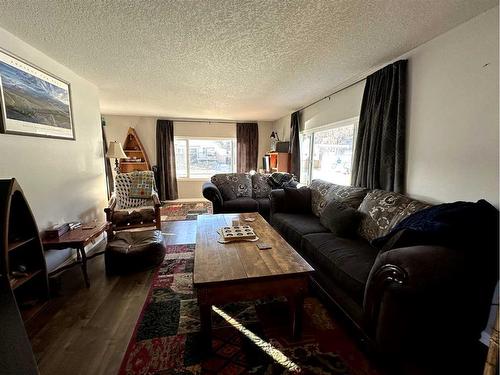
[188,163]
[337,124]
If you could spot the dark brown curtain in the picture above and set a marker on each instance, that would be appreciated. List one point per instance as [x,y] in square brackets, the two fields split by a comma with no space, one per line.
[379,159]
[295,144]
[247,146]
[107,164]
[165,160]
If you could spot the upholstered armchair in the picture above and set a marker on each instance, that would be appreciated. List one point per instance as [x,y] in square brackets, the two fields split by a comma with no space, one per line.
[126,212]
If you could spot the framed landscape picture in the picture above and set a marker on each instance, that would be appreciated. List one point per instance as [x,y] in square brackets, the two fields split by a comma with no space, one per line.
[33,102]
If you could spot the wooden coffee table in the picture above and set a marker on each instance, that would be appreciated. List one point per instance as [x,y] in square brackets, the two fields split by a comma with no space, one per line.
[239,271]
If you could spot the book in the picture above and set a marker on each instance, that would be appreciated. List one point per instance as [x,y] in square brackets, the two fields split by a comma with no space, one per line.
[57,230]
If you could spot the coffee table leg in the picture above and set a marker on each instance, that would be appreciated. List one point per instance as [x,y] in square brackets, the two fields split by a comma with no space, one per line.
[296,309]
[84,267]
[206,326]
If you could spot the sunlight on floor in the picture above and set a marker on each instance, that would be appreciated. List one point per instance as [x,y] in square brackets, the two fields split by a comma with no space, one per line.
[274,353]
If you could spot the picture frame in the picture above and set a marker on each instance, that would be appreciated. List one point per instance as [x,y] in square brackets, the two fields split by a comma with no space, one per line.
[33,102]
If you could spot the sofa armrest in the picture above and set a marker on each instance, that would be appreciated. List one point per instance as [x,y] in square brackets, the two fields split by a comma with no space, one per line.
[277,201]
[213,194]
[111,206]
[157,213]
[156,199]
[109,213]
[413,292]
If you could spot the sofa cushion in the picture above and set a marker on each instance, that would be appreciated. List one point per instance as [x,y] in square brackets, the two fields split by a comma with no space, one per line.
[260,186]
[123,181]
[130,251]
[240,205]
[141,184]
[264,206]
[139,215]
[342,220]
[233,185]
[298,201]
[349,195]
[319,191]
[323,192]
[293,226]
[383,210]
[348,261]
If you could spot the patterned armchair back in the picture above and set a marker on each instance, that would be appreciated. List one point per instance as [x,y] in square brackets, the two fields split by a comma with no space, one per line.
[123,181]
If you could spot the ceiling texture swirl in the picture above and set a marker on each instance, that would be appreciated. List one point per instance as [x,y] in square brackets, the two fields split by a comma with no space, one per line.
[222,59]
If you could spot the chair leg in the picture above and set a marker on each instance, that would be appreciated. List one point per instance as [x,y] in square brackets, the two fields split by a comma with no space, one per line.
[158,217]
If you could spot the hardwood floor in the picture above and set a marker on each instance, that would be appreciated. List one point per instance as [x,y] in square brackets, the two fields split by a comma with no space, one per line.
[86,331]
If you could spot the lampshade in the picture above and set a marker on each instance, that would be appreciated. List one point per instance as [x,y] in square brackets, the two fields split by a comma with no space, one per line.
[115,151]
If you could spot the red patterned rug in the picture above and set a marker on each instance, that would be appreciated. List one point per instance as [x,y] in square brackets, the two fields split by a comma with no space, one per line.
[185,210]
[248,337]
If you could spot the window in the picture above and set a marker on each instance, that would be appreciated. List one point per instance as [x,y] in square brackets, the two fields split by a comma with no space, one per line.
[202,158]
[327,152]
[305,157]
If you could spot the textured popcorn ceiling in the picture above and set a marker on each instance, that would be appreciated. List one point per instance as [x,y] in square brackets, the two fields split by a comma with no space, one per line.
[254,60]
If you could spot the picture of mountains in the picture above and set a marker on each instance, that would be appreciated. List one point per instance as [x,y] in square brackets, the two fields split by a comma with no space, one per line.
[32,99]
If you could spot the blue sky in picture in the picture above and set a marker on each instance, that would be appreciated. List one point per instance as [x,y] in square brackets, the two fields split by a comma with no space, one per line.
[32,99]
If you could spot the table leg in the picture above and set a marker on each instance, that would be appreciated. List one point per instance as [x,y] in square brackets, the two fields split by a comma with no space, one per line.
[84,267]
[206,326]
[296,310]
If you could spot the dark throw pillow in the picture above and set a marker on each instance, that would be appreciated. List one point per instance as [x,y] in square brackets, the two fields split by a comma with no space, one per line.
[340,219]
[297,201]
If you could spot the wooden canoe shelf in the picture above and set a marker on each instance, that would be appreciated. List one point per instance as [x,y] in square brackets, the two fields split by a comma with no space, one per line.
[15,244]
[21,249]
[133,148]
[17,282]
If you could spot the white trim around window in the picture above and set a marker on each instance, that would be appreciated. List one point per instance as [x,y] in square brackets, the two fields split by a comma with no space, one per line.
[310,133]
[187,139]
[332,125]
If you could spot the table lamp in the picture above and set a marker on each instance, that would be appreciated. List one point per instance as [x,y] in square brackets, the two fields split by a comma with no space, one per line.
[115,151]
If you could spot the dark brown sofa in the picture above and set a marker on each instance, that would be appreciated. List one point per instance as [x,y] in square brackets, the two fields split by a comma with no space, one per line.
[240,192]
[415,304]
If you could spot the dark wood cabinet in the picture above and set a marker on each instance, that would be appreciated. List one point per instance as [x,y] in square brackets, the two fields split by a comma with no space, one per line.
[279,162]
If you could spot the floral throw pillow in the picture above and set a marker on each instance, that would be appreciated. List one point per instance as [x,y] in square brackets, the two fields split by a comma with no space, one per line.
[260,186]
[319,192]
[348,195]
[383,210]
[233,185]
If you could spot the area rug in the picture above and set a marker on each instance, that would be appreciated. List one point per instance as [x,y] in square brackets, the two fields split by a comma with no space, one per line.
[185,210]
[248,337]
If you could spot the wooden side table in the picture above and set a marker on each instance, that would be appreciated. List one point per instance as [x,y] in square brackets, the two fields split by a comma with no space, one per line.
[76,239]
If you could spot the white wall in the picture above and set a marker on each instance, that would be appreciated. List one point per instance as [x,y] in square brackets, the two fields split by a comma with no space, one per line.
[452,114]
[282,126]
[343,105]
[117,126]
[63,180]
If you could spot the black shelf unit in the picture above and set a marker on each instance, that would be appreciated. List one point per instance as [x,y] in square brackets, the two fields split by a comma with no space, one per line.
[22,262]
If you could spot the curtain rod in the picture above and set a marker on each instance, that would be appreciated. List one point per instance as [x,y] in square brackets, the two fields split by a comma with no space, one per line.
[203,120]
[333,93]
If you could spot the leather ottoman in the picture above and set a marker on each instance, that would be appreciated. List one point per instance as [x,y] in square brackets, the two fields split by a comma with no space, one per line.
[134,251]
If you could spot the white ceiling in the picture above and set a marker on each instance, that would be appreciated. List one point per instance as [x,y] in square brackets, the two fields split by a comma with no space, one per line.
[226,59]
